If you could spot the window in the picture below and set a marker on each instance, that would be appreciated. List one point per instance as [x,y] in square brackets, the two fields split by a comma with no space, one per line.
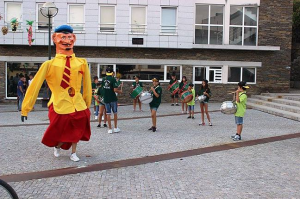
[243,26]
[237,74]
[76,17]
[107,18]
[13,70]
[173,69]
[168,20]
[13,11]
[209,24]
[102,69]
[42,22]
[214,74]
[146,72]
[211,73]
[138,21]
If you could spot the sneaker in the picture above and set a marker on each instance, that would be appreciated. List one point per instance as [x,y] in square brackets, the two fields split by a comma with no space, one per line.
[96,117]
[236,138]
[110,131]
[56,152]
[153,129]
[150,129]
[202,124]
[99,125]
[74,157]
[172,104]
[116,130]
[210,124]
[104,125]
[193,117]
[177,104]
[189,117]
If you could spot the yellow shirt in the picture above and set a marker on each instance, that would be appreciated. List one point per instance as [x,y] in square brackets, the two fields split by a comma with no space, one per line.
[52,71]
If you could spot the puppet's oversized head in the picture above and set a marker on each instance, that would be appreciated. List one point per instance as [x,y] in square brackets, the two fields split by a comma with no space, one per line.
[64,39]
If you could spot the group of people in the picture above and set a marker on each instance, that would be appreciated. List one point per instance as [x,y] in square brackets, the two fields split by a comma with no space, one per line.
[22,86]
[68,78]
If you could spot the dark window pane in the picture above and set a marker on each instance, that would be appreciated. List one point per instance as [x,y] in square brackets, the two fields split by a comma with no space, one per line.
[236,15]
[200,74]
[146,72]
[173,69]
[235,36]
[234,74]
[250,36]
[211,76]
[249,74]
[202,14]
[216,35]
[216,15]
[201,36]
[13,72]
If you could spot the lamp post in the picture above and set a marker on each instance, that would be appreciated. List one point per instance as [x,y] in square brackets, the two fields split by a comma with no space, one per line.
[49,10]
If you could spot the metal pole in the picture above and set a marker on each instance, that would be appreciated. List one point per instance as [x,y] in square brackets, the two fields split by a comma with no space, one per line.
[49,44]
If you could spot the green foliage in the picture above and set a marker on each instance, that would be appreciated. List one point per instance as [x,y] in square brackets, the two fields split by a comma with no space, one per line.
[29,22]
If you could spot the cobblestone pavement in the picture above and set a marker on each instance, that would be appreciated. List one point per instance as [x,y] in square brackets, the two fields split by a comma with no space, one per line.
[263,171]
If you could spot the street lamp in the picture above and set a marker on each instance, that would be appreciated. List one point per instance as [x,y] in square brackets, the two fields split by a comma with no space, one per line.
[49,10]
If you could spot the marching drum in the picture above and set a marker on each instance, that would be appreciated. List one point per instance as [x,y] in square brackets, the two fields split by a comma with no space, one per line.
[228,107]
[186,96]
[201,98]
[146,97]
[174,88]
[136,92]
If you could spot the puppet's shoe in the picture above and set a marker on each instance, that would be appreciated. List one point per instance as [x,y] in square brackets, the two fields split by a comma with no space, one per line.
[56,152]
[74,157]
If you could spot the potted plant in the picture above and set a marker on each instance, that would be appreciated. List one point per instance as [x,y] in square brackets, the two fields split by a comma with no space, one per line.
[29,30]
[14,24]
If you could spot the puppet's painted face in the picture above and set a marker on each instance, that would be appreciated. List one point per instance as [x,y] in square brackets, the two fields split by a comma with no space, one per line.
[64,42]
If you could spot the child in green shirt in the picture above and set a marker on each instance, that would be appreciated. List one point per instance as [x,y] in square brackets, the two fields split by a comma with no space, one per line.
[241,100]
[191,104]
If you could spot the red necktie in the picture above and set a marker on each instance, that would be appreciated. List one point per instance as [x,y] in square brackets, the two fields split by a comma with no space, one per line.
[66,76]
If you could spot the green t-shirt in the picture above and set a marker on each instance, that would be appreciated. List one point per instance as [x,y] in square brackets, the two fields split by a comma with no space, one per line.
[156,100]
[172,81]
[108,85]
[241,106]
[183,86]
[134,84]
[202,90]
[191,103]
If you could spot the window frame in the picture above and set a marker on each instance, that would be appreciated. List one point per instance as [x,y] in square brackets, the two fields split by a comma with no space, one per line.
[37,18]
[7,23]
[241,74]
[243,24]
[68,17]
[99,22]
[176,26]
[127,80]
[207,70]
[209,24]
[146,20]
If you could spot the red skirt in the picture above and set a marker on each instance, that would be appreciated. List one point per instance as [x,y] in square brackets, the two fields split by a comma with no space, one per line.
[67,128]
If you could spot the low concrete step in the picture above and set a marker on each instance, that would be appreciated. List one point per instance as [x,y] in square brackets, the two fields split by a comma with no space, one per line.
[279,106]
[292,97]
[286,102]
[274,111]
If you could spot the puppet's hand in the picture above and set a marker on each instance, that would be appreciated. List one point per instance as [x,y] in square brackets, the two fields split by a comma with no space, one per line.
[23,117]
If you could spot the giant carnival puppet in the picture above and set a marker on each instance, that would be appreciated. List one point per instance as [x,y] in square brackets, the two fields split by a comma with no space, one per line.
[69,113]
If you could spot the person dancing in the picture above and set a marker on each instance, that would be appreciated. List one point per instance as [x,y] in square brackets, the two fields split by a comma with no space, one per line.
[69,112]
